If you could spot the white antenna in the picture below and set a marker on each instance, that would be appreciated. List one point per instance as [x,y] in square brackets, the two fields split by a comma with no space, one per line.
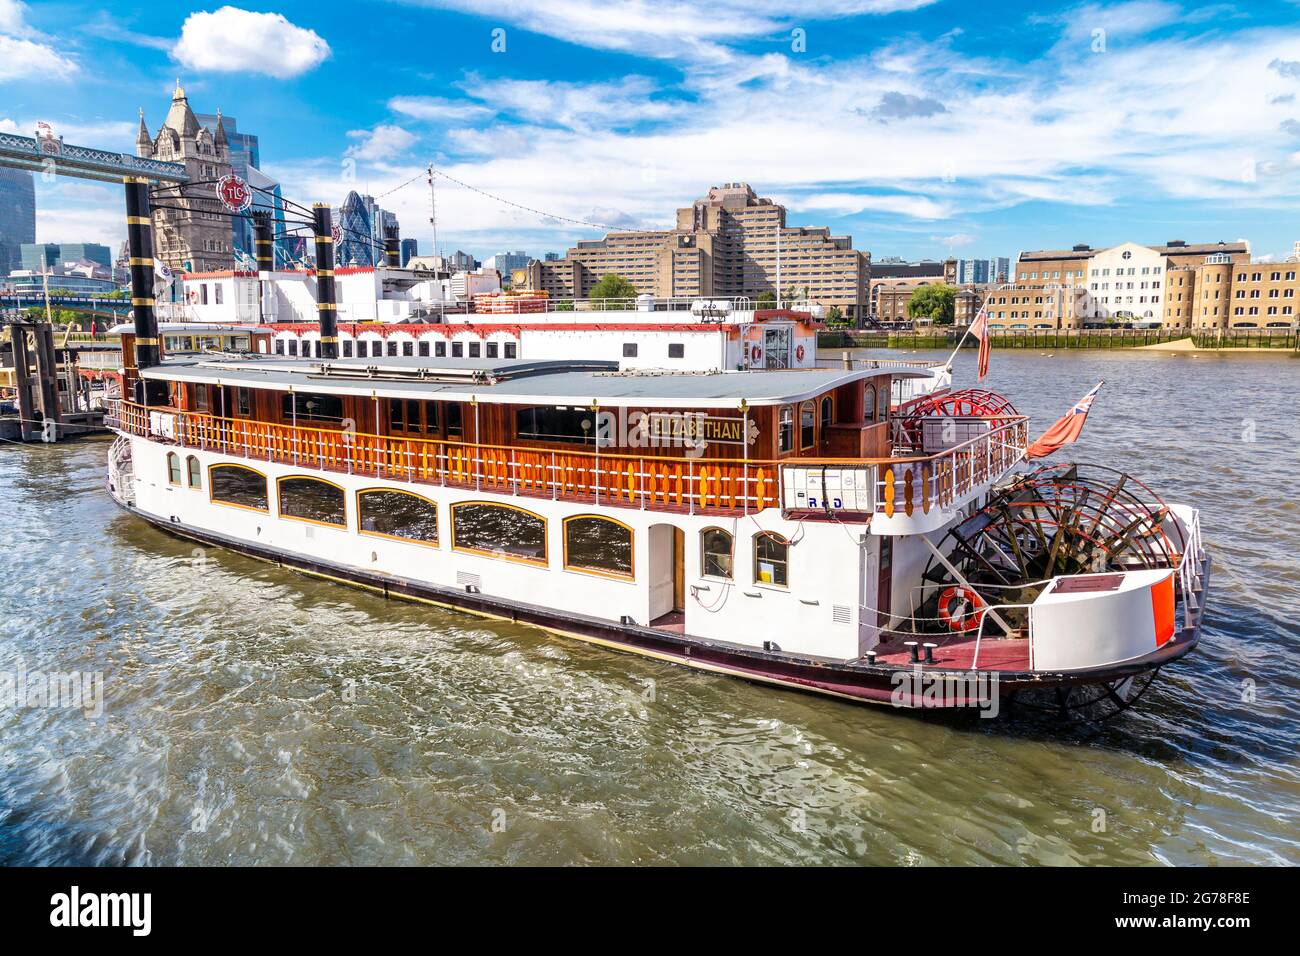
[433,210]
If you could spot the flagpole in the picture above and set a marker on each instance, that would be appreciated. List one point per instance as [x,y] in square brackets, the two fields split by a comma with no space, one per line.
[953,357]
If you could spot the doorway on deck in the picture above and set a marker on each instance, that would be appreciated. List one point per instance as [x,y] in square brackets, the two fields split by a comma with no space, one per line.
[667,577]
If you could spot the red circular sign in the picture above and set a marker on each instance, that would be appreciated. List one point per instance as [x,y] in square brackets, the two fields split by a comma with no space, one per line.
[336,233]
[234,193]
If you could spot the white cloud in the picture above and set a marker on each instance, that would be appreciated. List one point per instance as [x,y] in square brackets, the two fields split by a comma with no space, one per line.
[434,108]
[1146,121]
[620,104]
[665,28]
[235,41]
[24,54]
[384,142]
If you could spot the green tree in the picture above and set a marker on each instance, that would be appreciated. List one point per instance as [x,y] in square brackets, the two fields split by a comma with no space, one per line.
[834,316]
[934,302]
[616,292]
[765,300]
[563,305]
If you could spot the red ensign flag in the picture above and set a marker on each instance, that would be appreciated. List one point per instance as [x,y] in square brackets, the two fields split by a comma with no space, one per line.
[1066,431]
[980,329]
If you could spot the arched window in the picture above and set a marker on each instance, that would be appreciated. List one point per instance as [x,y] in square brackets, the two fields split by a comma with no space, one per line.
[771,559]
[869,403]
[173,468]
[598,545]
[498,530]
[239,486]
[390,513]
[785,429]
[807,425]
[882,407]
[192,472]
[312,499]
[828,414]
[715,553]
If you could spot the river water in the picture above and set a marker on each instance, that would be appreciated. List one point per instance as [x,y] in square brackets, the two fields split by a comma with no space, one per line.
[257,716]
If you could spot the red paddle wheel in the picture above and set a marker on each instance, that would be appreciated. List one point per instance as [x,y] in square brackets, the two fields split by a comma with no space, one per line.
[961,403]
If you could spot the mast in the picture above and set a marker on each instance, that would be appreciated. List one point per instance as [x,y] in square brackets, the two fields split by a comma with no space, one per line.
[433,210]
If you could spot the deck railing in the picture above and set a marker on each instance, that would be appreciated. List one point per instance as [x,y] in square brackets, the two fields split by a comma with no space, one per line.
[613,478]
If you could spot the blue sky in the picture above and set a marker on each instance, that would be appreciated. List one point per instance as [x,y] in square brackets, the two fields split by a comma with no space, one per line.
[919,127]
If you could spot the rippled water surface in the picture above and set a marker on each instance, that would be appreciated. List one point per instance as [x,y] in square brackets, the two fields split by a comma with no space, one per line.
[257,716]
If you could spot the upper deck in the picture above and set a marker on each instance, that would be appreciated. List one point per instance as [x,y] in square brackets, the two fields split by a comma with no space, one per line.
[816,443]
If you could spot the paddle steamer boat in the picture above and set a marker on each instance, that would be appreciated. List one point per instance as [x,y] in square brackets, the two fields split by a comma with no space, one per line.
[822,529]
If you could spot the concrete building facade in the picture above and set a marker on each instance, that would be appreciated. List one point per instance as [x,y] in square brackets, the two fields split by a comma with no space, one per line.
[730,243]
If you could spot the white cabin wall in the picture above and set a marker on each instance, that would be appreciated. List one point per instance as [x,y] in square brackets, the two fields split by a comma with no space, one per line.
[824,565]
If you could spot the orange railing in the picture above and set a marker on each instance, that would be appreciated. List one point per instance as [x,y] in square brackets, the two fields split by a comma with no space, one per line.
[695,485]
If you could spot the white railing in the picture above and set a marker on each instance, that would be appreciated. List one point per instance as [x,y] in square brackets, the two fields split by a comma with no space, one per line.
[937,481]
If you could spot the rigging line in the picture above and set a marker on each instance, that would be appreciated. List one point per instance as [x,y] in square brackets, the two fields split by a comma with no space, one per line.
[420,175]
[507,202]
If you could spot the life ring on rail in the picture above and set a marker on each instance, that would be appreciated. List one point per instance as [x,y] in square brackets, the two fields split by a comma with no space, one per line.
[958,608]
[755,354]
[798,353]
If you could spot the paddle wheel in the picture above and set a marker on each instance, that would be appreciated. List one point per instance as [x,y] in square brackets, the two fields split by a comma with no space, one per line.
[915,421]
[1059,520]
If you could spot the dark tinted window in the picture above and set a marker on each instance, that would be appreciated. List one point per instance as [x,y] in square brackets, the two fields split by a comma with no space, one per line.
[511,350]
[493,350]
[440,349]
[313,500]
[715,548]
[347,348]
[424,349]
[236,485]
[398,514]
[598,544]
[497,529]
[676,350]
[361,349]
[629,350]
[545,423]
[312,407]
[457,350]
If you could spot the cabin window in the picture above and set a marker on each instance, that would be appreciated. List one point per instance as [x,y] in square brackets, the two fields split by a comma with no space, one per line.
[828,414]
[431,416]
[192,472]
[306,348]
[293,346]
[408,349]
[311,499]
[239,486]
[869,404]
[883,406]
[279,346]
[493,350]
[771,559]
[629,350]
[498,530]
[311,406]
[423,350]
[455,424]
[676,350]
[397,514]
[599,545]
[347,348]
[243,401]
[173,468]
[457,350]
[715,553]
[544,423]
[361,348]
[785,429]
[475,350]
[511,350]
[807,425]
[440,349]
[404,415]
[392,349]
[217,289]
[201,401]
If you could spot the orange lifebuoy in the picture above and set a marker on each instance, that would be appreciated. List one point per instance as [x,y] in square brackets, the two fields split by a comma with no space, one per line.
[799,353]
[965,616]
[755,353]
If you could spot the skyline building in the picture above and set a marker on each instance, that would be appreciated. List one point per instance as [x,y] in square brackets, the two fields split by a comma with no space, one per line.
[363,222]
[730,243]
[52,255]
[195,236]
[17,216]
[410,249]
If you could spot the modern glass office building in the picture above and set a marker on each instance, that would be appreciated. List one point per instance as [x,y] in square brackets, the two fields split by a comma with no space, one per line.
[17,216]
